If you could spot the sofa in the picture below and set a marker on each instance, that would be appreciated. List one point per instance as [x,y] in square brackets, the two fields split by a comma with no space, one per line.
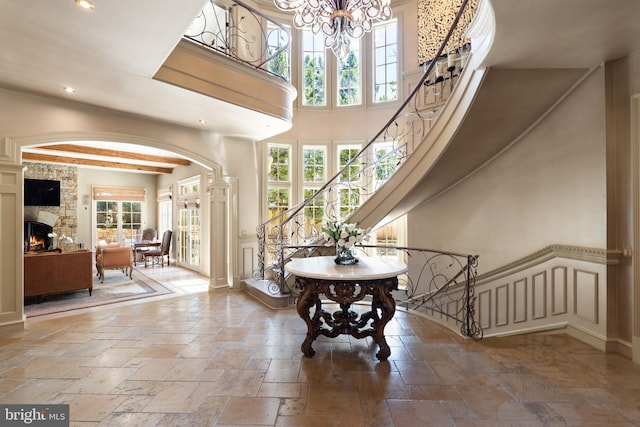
[112,257]
[54,272]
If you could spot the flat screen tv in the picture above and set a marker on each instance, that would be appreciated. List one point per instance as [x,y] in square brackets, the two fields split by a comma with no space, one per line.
[41,192]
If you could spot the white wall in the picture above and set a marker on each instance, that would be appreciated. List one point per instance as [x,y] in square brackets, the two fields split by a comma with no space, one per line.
[548,188]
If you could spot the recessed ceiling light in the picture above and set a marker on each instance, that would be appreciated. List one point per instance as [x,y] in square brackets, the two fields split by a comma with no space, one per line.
[69,89]
[85,4]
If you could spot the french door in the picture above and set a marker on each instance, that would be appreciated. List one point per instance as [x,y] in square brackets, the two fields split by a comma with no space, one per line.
[117,221]
[189,237]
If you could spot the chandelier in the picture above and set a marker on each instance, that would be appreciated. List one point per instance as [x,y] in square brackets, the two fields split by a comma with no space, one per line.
[340,21]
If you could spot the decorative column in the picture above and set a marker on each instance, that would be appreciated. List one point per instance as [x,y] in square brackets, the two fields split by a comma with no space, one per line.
[11,236]
[219,233]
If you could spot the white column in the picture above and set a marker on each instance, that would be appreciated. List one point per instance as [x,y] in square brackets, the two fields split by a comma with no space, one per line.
[219,235]
[11,237]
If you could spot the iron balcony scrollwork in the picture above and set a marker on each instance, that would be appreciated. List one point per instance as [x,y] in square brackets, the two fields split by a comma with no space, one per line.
[244,34]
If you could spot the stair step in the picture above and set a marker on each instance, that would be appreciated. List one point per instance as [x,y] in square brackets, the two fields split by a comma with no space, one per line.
[268,293]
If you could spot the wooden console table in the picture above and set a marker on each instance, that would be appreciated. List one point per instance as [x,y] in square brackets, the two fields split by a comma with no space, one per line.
[344,285]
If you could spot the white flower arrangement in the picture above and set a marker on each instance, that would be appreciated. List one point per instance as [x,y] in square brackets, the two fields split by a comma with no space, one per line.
[344,234]
[61,238]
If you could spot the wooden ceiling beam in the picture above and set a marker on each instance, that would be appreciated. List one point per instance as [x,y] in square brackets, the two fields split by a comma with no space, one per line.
[92,151]
[89,162]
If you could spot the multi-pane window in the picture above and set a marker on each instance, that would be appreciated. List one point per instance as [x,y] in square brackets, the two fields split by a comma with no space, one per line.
[279,163]
[313,211]
[189,222]
[349,77]
[107,221]
[278,179]
[314,166]
[349,192]
[313,69]
[118,222]
[385,61]
[345,155]
[189,187]
[386,160]
[280,63]
[131,220]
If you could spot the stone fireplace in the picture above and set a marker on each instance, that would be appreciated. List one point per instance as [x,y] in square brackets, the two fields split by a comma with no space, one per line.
[63,219]
[36,236]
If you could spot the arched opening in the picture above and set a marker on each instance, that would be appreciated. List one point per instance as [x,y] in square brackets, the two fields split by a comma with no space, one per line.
[213,201]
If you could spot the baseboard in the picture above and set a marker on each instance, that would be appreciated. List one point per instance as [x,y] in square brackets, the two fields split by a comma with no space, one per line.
[17,325]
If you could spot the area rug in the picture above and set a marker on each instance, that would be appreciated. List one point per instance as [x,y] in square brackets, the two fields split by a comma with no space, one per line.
[117,287]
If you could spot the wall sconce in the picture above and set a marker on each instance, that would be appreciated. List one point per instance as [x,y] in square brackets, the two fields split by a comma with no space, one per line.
[170,192]
[186,204]
[198,203]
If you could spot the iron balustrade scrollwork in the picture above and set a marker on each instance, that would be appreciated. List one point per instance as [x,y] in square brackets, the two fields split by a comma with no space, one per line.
[374,164]
[437,283]
[245,34]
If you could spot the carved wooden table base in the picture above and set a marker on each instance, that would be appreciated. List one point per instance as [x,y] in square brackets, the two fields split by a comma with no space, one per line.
[346,321]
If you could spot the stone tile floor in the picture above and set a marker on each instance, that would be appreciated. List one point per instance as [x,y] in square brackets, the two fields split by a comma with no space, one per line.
[220,358]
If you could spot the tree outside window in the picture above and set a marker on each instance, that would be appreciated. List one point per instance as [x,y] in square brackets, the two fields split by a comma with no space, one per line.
[313,69]
[349,80]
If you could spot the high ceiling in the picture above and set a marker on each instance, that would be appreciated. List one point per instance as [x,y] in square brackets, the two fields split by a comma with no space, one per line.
[109,56]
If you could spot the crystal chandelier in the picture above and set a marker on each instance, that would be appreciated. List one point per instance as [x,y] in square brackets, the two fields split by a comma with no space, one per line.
[341,21]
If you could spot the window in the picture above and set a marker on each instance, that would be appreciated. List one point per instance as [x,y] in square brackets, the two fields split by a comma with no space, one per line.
[386,160]
[314,164]
[118,221]
[189,222]
[118,214]
[278,179]
[349,193]
[164,216]
[313,69]
[280,64]
[349,77]
[385,61]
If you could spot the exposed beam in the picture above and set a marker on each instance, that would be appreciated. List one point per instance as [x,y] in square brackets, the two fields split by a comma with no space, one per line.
[80,149]
[89,162]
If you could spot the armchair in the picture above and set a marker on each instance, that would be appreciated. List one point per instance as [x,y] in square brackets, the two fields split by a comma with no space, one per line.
[114,258]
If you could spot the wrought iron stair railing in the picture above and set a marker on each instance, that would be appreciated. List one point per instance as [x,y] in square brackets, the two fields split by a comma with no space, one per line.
[374,164]
[439,284]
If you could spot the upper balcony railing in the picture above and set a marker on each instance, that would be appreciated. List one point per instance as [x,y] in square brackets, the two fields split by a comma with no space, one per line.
[244,34]
[360,178]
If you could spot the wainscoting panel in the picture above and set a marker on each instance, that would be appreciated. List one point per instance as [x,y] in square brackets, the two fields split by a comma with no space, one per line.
[502,305]
[559,290]
[484,309]
[585,302]
[248,257]
[247,261]
[520,301]
[539,295]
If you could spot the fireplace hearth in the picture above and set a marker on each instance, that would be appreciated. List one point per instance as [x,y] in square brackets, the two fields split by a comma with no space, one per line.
[36,236]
